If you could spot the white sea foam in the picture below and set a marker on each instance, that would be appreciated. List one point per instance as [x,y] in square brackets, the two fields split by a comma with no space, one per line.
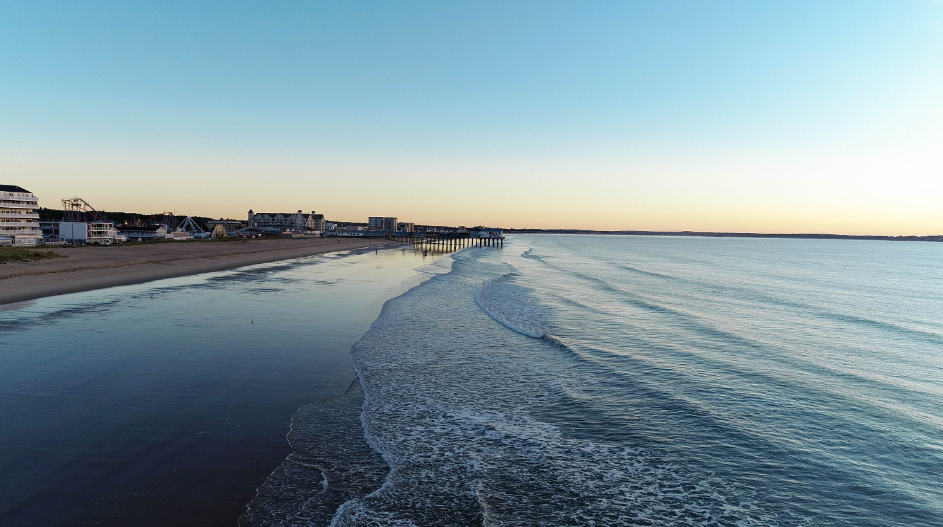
[449,404]
[441,265]
[591,403]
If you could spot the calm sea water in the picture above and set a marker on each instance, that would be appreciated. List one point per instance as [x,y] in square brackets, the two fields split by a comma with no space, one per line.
[579,380]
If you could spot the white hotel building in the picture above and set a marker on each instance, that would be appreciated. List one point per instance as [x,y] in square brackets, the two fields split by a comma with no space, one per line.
[19,218]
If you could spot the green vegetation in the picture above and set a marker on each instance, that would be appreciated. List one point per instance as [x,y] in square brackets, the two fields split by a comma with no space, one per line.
[16,254]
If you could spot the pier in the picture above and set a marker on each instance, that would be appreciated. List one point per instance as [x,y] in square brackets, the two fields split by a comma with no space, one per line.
[448,242]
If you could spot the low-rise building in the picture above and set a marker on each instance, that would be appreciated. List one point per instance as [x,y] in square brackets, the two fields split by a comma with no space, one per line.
[50,231]
[229,225]
[19,219]
[351,230]
[81,233]
[485,232]
[103,233]
[405,227]
[179,236]
[145,233]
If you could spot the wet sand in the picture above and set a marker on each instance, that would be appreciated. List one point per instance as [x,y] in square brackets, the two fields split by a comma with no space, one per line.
[168,405]
[88,268]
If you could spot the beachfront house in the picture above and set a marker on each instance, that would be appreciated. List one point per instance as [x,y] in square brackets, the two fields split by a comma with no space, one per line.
[352,231]
[19,219]
[143,234]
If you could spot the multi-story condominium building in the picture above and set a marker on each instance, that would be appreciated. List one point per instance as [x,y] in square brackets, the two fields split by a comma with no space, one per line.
[19,219]
[316,222]
[381,223]
[284,220]
[405,227]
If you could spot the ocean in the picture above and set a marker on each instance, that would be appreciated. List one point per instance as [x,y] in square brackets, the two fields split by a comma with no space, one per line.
[559,380]
[595,380]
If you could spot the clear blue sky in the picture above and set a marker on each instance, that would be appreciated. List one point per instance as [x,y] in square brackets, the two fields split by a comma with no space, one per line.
[769,116]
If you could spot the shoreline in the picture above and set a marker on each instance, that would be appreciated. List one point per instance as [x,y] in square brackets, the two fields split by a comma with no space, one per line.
[89,268]
[212,379]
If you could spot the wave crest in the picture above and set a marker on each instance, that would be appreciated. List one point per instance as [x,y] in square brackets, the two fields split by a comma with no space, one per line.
[513,306]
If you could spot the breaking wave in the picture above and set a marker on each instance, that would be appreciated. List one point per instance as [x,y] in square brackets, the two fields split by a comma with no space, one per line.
[452,403]
[512,306]
[510,390]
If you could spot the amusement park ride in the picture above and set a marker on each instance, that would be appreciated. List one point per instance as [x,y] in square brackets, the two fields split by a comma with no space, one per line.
[78,210]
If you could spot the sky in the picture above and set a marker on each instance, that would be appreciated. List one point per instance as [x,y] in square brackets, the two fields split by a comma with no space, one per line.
[773,116]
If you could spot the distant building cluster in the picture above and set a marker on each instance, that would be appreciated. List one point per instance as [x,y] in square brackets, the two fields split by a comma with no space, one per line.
[81,224]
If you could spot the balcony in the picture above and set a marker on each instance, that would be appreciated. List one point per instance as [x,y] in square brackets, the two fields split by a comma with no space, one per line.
[18,197]
[21,232]
[8,205]
[4,214]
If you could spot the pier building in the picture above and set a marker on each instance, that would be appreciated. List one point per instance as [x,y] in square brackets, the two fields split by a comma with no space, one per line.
[485,232]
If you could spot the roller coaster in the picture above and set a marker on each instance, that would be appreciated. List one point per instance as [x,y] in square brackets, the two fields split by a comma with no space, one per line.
[77,209]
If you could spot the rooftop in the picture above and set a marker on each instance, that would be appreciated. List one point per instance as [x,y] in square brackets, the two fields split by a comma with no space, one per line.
[146,228]
[13,188]
[282,213]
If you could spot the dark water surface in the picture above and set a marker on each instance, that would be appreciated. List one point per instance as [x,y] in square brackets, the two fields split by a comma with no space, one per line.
[169,403]
[561,380]
[640,381]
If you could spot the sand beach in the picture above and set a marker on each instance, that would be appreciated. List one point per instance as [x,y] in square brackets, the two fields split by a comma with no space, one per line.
[92,267]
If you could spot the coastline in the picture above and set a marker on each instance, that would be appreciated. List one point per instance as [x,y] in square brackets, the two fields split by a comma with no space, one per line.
[90,268]
[213,373]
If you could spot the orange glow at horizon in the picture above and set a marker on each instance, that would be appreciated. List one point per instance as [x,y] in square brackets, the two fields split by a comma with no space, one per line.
[781,194]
